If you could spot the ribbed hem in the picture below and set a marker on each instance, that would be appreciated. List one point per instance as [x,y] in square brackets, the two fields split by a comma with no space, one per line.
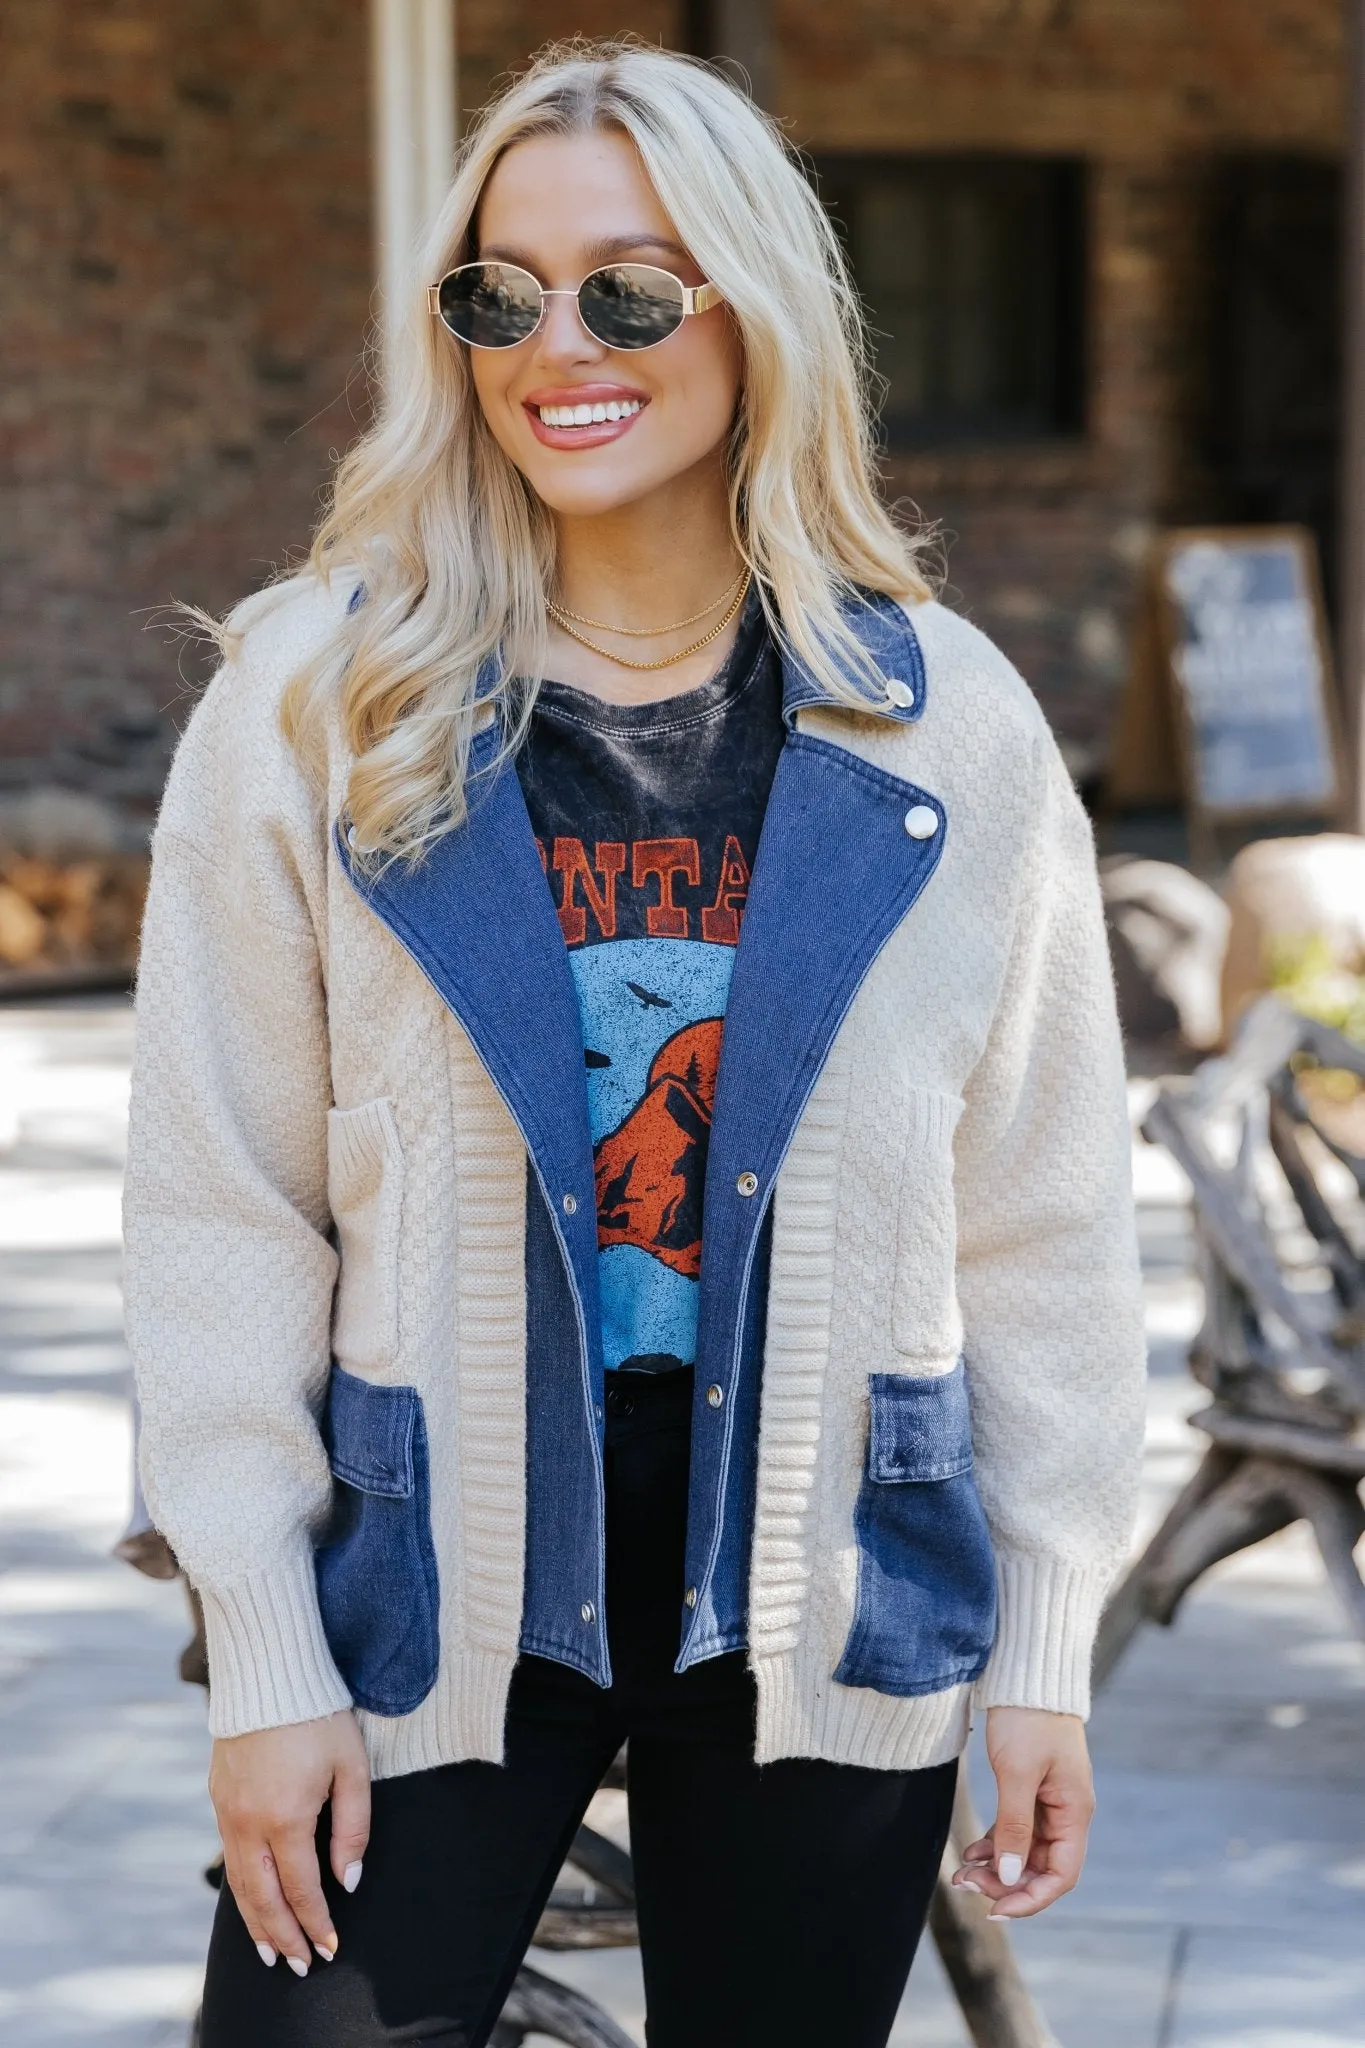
[462,1717]
[269,1663]
[1049,1612]
[802,1712]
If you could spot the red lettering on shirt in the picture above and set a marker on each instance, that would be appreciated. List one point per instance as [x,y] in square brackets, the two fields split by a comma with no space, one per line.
[720,920]
[571,861]
[665,858]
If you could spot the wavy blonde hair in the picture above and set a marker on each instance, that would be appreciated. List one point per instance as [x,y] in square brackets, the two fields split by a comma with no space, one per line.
[457,554]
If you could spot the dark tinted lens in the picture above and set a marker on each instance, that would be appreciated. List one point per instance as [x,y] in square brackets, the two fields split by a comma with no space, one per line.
[491,305]
[631,305]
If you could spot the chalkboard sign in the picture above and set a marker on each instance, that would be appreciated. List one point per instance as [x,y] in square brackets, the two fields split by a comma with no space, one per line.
[1245,642]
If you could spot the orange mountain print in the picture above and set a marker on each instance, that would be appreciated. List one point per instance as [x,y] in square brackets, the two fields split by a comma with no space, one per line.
[651,1168]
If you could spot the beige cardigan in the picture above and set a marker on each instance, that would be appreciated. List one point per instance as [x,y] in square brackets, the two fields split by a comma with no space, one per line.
[320,1168]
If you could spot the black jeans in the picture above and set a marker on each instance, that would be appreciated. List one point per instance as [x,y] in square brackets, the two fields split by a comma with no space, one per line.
[777,1905]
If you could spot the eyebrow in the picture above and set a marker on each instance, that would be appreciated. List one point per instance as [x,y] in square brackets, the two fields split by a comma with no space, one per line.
[601,251]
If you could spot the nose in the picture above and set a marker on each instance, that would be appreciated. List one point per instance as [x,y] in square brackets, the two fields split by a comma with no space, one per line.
[562,337]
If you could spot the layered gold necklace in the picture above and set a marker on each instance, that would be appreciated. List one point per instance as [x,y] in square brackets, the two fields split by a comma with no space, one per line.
[568,622]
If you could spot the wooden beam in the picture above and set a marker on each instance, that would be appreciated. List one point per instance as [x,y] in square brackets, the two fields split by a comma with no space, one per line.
[412,78]
[1352,568]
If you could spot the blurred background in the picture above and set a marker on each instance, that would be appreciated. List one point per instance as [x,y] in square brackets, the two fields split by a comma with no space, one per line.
[1113,253]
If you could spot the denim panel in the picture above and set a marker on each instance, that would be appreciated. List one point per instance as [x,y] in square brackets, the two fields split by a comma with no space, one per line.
[564,1551]
[476,916]
[376,1564]
[887,634]
[925,1616]
[720,1620]
[920,1428]
[836,873]
[369,1433]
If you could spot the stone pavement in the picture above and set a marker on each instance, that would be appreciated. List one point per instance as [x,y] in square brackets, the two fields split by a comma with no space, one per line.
[1224,1905]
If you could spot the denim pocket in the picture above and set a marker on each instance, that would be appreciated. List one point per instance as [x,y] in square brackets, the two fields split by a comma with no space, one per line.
[925,1612]
[376,1564]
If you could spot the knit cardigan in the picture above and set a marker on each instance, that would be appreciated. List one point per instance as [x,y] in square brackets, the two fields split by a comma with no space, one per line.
[321,1171]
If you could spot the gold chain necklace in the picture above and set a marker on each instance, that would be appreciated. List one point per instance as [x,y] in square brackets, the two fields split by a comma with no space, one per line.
[623,661]
[560,613]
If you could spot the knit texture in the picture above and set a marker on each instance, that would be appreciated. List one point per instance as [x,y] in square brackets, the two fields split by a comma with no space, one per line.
[320,1168]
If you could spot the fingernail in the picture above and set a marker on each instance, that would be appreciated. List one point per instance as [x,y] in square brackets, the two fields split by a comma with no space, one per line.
[351,1876]
[298,1965]
[1010,1869]
[1000,1916]
[266,1954]
[327,1949]
[964,1884]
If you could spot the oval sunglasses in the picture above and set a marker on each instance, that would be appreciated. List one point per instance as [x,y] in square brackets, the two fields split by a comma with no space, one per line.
[624,305]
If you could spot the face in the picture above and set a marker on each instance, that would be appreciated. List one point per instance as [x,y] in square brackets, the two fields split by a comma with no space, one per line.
[560,206]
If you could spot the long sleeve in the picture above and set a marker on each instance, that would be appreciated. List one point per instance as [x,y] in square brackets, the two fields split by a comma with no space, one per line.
[1048,1274]
[229,1267]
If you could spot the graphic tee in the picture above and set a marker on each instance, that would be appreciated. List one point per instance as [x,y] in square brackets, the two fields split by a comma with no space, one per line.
[647,818]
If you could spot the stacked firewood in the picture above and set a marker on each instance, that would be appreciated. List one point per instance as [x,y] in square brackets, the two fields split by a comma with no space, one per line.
[70,914]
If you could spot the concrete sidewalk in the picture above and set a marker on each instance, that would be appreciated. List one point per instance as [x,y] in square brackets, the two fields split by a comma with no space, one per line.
[1225,1899]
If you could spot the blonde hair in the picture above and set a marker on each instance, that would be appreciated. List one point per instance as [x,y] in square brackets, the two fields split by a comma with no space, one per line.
[456,553]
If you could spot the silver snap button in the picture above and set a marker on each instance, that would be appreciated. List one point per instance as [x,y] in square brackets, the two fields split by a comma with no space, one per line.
[714,1397]
[587,1610]
[747,1184]
[690,1597]
[899,693]
[570,1205]
[921,822]
[597,1410]
[350,835]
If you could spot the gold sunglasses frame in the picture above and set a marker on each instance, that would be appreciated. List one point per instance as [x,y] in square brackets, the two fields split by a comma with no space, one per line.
[697,298]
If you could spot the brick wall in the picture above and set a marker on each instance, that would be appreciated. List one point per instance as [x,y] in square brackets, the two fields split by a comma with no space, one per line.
[185,280]
[184,191]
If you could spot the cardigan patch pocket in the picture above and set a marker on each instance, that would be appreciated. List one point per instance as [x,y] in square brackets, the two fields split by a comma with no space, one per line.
[365,1194]
[925,1613]
[376,1563]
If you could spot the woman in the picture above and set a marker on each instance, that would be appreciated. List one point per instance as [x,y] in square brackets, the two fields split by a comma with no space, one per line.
[614,713]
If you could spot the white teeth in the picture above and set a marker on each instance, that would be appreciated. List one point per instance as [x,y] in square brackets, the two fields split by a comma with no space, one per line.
[588,415]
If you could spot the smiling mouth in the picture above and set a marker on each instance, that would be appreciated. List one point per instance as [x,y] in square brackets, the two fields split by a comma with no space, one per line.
[563,416]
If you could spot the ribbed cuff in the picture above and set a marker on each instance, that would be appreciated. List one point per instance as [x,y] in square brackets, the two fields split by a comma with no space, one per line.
[1049,1612]
[269,1663]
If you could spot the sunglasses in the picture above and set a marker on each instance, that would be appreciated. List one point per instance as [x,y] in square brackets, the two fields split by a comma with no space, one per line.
[625,305]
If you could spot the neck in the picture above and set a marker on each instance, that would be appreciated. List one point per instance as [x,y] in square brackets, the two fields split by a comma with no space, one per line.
[659,559]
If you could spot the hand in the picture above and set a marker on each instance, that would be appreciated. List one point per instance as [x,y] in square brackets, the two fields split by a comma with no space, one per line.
[267,1791]
[1035,1850]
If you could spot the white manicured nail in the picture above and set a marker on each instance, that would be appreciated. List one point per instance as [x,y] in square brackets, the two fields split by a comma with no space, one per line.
[298,1965]
[328,1953]
[266,1954]
[964,1884]
[1010,1869]
[351,1876]
[1000,1916]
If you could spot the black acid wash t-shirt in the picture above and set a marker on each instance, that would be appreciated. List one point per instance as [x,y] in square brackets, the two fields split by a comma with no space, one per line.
[647,818]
